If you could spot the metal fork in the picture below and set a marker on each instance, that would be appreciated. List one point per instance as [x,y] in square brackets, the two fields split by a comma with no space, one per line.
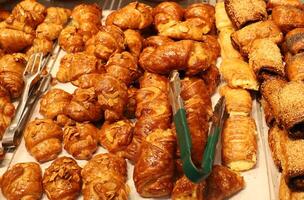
[32,71]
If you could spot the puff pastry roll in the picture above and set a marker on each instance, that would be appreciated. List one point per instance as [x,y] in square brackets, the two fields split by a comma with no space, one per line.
[222,183]
[43,139]
[184,189]
[211,78]
[245,12]
[285,193]
[273,3]
[104,177]
[288,17]
[295,40]
[154,169]
[53,103]
[115,137]
[80,140]
[62,179]
[221,18]
[238,74]
[22,181]
[243,38]
[238,101]
[295,67]
[227,49]
[84,106]
[276,139]
[265,59]
[239,145]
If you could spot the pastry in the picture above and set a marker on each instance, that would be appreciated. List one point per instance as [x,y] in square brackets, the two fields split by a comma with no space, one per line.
[156,40]
[295,40]
[295,67]
[212,78]
[268,113]
[184,189]
[134,42]
[40,45]
[221,18]
[227,49]
[276,139]
[7,111]
[285,193]
[15,40]
[131,105]
[273,3]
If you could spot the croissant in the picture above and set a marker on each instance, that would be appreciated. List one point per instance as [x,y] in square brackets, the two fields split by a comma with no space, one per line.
[63,120]
[153,110]
[295,40]
[11,71]
[62,179]
[133,42]
[84,106]
[154,170]
[69,69]
[86,81]
[156,40]
[115,137]
[237,73]
[4,14]
[7,111]
[43,139]
[265,59]
[131,105]
[184,189]
[227,49]
[15,40]
[243,38]
[71,40]
[133,16]
[22,181]
[239,145]
[238,101]
[80,140]
[221,18]
[212,78]
[295,68]
[104,177]
[16,25]
[222,183]
[40,45]
[276,139]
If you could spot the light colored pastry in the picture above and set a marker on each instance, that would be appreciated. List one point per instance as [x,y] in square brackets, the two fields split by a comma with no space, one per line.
[277,138]
[221,18]
[227,49]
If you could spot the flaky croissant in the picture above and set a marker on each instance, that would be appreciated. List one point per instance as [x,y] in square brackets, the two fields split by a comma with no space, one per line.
[70,39]
[7,111]
[131,105]
[154,169]
[62,179]
[14,40]
[104,177]
[87,13]
[133,16]
[22,181]
[84,106]
[40,45]
[212,78]
[11,71]
[80,140]
[134,42]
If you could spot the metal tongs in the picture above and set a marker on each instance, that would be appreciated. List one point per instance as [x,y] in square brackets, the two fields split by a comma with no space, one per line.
[183,133]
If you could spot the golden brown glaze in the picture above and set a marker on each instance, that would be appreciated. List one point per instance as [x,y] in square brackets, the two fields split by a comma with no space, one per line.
[80,140]
[62,179]
[184,189]
[295,67]
[212,78]
[133,42]
[104,177]
[7,111]
[43,139]
[131,105]
[22,181]
[156,40]
[14,40]
[70,39]
[154,169]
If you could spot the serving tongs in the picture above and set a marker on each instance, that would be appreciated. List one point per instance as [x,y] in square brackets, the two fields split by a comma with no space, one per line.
[192,172]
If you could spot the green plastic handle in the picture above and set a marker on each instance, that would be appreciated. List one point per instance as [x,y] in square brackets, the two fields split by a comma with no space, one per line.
[193,173]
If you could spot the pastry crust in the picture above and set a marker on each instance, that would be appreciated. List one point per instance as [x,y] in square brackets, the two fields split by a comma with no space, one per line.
[227,49]
[134,42]
[212,78]
[154,169]
[221,18]
[295,40]
[15,40]
[131,105]
[285,193]
[40,45]
[62,179]
[238,74]
[274,3]
[276,140]
[71,40]
[7,112]
[295,67]
[22,181]
[239,145]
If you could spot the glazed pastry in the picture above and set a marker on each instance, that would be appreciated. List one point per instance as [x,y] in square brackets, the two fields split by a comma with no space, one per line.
[154,170]
[108,41]
[80,140]
[191,56]
[131,105]
[84,106]
[237,73]
[223,183]
[212,78]
[7,111]
[70,39]
[134,42]
[295,40]
[273,3]
[22,181]
[268,113]
[133,16]
[238,101]
[115,137]
[53,103]
[16,25]
[62,179]
[153,110]
[276,139]
[295,67]
[221,18]
[63,120]
[199,20]
[184,189]
[86,81]
[265,59]
[227,50]
[11,71]
[14,40]
[4,14]
[245,12]
[69,69]
[288,17]
[104,177]
[40,45]
[156,40]
[239,145]
[43,139]
[243,38]
[285,193]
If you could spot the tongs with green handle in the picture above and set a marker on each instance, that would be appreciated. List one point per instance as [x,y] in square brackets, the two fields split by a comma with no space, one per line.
[183,133]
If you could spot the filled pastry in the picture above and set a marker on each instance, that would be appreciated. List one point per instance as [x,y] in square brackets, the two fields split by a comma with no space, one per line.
[212,78]
[22,181]
[104,177]
[80,140]
[239,145]
[295,67]
[43,138]
[268,113]
[221,18]
[295,40]
[62,179]
[184,189]
[238,74]
[276,139]
[227,49]
[154,170]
